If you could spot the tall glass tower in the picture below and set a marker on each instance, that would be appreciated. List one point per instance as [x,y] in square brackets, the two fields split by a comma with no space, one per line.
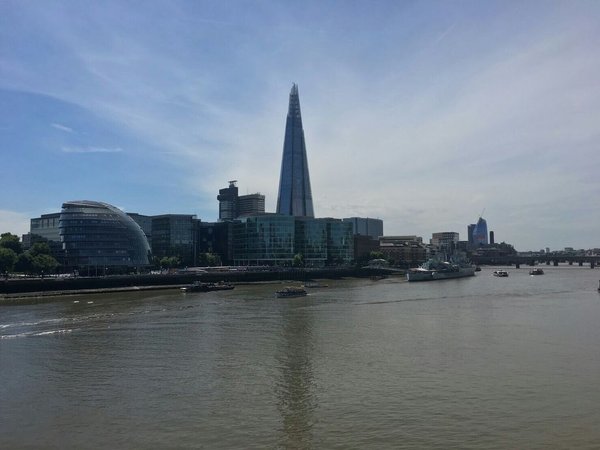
[295,196]
[480,232]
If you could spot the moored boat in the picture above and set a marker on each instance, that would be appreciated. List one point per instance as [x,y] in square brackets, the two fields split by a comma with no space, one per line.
[291,291]
[198,286]
[441,270]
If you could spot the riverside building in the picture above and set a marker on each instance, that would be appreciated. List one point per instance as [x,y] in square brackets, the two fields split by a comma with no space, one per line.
[275,239]
[100,236]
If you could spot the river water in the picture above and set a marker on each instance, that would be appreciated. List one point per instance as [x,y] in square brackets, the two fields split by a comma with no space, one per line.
[480,362]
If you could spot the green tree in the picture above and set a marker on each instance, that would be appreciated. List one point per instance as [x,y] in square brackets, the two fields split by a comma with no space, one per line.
[24,263]
[9,240]
[209,259]
[298,260]
[376,255]
[8,258]
[44,264]
[39,248]
[170,262]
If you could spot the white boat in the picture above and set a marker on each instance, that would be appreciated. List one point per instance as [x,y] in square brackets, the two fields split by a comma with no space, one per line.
[536,271]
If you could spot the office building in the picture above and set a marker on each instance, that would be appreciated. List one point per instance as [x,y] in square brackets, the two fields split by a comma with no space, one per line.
[175,235]
[215,238]
[446,239]
[232,205]
[295,195]
[366,226]
[264,240]
[145,223]
[99,235]
[470,229]
[228,202]
[480,233]
[274,239]
[46,226]
[311,240]
[250,205]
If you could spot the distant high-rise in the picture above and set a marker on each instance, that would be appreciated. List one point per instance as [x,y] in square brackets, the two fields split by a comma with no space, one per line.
[480,232]
[295,196]
[232,205]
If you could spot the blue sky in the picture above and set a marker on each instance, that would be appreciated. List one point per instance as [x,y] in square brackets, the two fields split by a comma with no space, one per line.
[419,113]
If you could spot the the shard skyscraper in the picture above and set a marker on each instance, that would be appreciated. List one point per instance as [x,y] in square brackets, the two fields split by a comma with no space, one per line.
[295,196]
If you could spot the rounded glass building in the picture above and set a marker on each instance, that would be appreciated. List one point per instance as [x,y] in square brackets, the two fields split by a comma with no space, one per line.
[101,235]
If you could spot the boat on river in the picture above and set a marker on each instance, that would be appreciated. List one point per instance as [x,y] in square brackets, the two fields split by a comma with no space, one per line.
[434,269]
[291,291]
[198,286]
[500,273]
[536,271]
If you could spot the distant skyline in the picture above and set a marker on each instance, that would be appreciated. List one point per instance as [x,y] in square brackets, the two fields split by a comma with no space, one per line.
[418,113]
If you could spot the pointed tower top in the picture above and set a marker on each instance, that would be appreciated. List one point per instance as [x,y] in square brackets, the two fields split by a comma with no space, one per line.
[295,195]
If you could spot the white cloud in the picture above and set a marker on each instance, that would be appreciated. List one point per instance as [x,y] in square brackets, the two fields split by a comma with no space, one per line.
[14,222]
[61,127]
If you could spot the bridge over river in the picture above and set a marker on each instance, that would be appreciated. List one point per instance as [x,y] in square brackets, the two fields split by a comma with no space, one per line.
[516,260]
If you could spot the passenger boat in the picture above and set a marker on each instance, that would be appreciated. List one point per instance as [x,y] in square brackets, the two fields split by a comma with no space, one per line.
[536,271]
[500,273]
[291,291]
[198,286]
[441,270]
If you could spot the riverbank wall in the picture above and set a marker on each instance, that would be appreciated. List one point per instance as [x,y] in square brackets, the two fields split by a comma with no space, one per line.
[25,285]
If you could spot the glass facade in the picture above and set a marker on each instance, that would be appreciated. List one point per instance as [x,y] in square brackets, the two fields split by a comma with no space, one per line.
[480,232]
[46,226]
[264,240]
[366,226]
[340,241]
[295,196]
[311,240]
[274,239]
[174,235]
[99,234]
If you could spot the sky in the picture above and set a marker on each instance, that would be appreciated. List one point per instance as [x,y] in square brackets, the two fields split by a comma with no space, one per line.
[425,114]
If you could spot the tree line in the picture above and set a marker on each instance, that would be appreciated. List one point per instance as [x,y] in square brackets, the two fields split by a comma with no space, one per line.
[36,260]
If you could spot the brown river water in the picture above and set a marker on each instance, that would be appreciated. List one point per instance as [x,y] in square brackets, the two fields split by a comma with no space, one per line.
[481,362]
